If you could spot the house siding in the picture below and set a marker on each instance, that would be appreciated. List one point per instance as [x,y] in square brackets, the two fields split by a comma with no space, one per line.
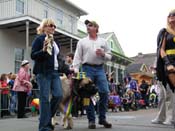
[9,40]
[35,9]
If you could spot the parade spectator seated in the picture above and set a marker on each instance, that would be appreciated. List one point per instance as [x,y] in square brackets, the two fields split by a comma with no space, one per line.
[132,85]
[144,90]
[129,101]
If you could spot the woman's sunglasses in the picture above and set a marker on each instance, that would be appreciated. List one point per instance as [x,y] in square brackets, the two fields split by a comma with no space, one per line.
[171,15]
[51,25]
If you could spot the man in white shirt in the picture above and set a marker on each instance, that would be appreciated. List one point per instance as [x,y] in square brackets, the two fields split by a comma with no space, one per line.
[91,53]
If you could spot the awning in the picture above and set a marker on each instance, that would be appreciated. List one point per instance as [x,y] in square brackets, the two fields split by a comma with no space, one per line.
[19,25]
[143,74]
[121,59]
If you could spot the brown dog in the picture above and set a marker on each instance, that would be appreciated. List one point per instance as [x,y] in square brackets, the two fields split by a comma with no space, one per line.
[83,88]
[66,120]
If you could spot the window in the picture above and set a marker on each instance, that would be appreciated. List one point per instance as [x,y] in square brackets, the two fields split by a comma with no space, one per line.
[20,6]
[19,56]
[45,15]
[120,75]
[59,18]
[70,23]
[111,44]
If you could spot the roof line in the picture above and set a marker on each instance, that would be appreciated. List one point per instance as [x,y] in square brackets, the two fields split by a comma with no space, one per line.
[110,35]
[25,18]
[122,56]
[74,5]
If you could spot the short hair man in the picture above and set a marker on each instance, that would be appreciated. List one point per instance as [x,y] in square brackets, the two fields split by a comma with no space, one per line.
[69,58]
[91,52]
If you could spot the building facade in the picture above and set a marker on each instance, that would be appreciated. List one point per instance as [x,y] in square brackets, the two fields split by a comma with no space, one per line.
[143,67]
[19,20]
[119,65]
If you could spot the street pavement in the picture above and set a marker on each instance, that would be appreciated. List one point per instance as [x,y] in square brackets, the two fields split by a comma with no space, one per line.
[122,121]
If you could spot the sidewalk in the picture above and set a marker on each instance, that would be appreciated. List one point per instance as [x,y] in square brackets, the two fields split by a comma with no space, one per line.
[122,121]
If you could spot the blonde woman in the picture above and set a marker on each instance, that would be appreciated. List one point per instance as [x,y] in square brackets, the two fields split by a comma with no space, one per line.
[45,53]
[166,58]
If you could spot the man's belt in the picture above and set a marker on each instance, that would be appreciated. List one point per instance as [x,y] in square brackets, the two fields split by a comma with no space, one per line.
[170,52]
[93,65]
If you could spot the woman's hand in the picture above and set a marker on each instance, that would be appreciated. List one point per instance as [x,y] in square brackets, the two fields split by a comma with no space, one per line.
[170,68]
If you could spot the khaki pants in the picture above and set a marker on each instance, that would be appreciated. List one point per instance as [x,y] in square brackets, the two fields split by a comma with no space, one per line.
[165,104]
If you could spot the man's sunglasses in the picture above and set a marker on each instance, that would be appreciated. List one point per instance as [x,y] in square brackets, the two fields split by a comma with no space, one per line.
[51,25]
[171,15]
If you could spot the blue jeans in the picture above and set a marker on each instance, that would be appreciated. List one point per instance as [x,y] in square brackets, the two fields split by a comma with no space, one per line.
[48,83]
[97,75]
[13,101]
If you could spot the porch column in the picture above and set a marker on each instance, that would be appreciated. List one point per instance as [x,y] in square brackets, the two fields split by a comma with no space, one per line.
[27,41]
[116,72]
[71,48]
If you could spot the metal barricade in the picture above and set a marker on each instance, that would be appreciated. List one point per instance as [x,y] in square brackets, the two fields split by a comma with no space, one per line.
[4,97]
[34,94]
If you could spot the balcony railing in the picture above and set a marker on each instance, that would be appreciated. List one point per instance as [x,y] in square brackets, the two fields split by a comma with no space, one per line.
[38,9]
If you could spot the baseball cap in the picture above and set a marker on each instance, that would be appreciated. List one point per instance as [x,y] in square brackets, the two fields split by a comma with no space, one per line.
[86,22]
[24,62]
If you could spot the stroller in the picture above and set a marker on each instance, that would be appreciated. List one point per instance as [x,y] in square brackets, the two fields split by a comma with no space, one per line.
[153,100]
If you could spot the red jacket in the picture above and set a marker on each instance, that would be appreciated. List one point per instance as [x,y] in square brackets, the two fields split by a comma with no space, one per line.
[4,85]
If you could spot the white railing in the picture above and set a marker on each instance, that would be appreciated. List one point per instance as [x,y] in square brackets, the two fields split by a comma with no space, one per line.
[38,10]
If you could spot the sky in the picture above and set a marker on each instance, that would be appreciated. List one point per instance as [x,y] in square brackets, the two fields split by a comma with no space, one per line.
[136,23]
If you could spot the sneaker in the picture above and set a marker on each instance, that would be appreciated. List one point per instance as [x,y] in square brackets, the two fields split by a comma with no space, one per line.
[92,125]
[155,121]
[105,124]
[167,123]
